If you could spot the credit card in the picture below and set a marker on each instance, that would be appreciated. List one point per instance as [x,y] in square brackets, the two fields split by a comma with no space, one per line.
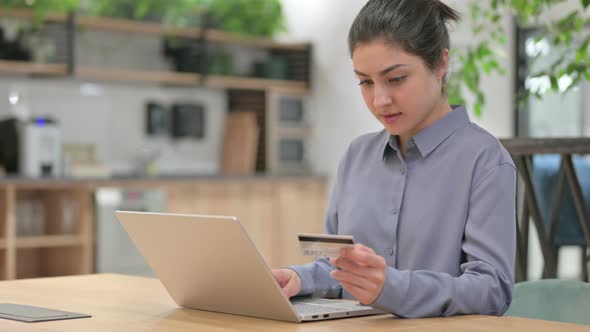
[323,245]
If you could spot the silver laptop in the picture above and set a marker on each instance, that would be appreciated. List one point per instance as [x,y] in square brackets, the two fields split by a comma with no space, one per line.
[210,263]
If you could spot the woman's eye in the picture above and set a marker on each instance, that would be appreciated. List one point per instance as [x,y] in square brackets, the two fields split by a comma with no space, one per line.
[365,82]
[397,80]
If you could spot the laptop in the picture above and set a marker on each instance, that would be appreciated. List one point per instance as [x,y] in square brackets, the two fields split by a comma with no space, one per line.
[209,263]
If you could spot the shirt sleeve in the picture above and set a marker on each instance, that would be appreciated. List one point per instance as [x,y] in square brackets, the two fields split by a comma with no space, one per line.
[315,276]
[489,244]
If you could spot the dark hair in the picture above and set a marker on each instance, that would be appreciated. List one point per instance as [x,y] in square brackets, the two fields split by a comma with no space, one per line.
[417,26]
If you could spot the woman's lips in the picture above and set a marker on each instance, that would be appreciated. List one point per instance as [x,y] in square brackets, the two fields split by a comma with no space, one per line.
[391,118]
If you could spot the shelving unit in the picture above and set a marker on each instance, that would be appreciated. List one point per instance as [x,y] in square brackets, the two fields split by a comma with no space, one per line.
[297,56]
[56,251]
[157,77]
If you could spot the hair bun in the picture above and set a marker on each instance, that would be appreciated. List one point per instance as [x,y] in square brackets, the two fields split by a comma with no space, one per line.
[446,13]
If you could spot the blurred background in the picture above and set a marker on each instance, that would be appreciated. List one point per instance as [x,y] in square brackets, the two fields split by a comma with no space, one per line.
[244,107]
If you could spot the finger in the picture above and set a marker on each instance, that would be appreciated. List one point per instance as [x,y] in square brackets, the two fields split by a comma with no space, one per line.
[373,275]
[363,257]
[280,277]
[355,279]
[291,288]
[357,246]
[363,296]
[366,249]
[349,266]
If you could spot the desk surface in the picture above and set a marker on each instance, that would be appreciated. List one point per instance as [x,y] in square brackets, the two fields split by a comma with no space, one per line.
[123,303]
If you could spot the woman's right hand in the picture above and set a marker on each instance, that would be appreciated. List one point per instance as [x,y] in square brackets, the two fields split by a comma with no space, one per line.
[288,280]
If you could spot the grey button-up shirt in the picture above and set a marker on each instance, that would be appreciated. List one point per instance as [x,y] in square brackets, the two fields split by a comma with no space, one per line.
[443,218]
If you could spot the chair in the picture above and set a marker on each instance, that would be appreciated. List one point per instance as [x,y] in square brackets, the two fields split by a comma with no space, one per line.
[552,299]
[568,232]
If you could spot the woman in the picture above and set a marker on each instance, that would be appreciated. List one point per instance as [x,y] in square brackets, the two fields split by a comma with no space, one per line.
[431,198]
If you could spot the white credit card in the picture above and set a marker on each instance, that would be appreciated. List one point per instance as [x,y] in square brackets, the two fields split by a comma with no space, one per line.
[323,245]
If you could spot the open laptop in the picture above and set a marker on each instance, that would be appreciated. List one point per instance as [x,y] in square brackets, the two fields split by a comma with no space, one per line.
[210,263]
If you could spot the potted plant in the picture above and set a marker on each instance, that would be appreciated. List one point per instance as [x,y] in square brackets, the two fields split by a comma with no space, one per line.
[261,18]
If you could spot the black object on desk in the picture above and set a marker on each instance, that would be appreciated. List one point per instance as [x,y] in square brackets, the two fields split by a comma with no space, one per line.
[30,314]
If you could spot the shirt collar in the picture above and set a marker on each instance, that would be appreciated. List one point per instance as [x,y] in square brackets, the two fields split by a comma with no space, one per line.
[429,138]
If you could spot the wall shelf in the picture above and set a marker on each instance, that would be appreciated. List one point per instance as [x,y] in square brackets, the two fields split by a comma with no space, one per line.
[24,67]
[49,241]
[154,28]
[211,35]
[137,76]
[27,14]
[249,83]
[130,26]
[218,36]
[149,76]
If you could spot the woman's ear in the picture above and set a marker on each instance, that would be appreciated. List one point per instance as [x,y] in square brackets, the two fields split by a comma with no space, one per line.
[443,65]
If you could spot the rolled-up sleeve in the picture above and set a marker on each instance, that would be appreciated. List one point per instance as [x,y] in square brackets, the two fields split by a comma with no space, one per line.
[485,284]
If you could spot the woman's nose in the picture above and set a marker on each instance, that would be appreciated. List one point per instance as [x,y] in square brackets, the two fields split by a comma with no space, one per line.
[381,98]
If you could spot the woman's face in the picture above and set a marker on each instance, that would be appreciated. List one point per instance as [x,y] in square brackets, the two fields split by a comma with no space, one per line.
[398,87]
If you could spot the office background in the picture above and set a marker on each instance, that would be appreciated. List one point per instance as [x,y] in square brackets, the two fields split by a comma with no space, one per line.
[111,116]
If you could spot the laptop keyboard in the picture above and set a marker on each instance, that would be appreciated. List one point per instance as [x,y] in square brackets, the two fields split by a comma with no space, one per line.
[320,306]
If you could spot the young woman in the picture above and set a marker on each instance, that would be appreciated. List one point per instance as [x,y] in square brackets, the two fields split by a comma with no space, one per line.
[431,198]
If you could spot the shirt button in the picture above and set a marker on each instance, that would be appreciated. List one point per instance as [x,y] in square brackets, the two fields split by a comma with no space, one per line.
[403,170]
[395,210]
[411,143]
[389,251]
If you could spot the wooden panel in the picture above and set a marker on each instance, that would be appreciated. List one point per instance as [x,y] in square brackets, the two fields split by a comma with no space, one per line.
[24,67]
[10,232]
[137,76]
[2,264]
[29,14]
[272,213]
[254,101]
[85,215]
[48,241]
[29,263]
[3,216]
[250,201]
[291,196]
[48,262]
[529,146]
[240,144]
[64,261]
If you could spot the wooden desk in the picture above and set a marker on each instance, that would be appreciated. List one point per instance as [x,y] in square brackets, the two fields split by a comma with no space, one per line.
[123,303]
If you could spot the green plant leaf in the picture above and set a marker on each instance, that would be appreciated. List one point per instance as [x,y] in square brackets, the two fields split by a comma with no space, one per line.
[554,83]
[585,3]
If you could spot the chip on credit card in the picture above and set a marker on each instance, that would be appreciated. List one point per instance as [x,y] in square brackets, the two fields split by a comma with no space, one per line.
[323,245]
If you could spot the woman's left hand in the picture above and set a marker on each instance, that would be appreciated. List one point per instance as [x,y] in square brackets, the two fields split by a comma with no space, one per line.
[362,272]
